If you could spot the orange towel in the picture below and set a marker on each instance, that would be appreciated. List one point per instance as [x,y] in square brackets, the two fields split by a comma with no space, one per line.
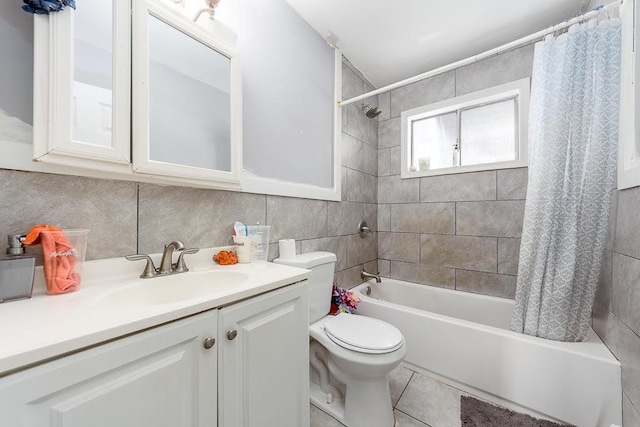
[59,258]
[226,258]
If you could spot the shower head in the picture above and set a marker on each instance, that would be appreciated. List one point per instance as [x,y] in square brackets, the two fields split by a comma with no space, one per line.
[370,112]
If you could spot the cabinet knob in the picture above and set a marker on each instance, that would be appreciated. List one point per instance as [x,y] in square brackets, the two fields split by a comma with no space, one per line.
[232,334]
[209,342]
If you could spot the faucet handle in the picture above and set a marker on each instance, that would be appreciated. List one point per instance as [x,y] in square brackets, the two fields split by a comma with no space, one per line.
[149,270]
[181,267]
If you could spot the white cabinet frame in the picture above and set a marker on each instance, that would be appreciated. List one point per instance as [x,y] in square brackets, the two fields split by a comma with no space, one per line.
[53,88]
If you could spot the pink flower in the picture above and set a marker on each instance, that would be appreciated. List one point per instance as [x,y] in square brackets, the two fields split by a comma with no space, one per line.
[344,300]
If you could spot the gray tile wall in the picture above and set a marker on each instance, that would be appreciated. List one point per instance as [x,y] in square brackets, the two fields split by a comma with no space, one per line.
[359,183]
[616,314]
[107,208]
[129,217]
[616,309]
[457,231]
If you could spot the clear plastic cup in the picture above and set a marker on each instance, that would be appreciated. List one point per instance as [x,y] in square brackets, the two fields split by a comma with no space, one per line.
[260,235]
[63,254]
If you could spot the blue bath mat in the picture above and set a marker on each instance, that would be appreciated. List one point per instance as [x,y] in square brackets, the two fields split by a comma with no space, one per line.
[476,413]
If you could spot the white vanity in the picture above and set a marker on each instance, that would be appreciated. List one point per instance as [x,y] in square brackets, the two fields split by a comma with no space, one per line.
[216,346]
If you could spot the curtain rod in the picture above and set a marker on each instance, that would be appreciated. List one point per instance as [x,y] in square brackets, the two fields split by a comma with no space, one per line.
[500,49]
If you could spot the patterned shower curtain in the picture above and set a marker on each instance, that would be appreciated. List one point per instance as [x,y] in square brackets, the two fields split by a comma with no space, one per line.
[573,135]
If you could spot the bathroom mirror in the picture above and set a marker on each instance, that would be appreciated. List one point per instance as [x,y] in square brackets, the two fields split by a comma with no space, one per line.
[92,85]
[186,87]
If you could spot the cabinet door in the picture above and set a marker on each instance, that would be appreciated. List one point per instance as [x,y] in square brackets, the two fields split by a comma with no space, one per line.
[82,84]
[264,364]
[161,377]
[186,99]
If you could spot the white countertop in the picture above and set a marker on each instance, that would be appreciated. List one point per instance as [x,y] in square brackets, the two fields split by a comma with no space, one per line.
[47,326]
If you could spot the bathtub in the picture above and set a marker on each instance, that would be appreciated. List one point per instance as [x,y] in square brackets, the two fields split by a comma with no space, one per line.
[464,339]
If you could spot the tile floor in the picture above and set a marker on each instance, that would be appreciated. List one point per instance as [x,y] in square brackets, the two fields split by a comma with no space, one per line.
[418,401]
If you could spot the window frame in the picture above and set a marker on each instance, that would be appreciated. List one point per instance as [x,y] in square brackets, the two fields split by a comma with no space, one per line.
[518,89]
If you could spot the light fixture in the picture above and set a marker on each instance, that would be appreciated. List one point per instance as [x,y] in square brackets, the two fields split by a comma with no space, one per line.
[211,9]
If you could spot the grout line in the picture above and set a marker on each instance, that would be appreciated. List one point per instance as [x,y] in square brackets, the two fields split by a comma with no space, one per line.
[414,418]
[497,255]
[266,210]
[455,82]
[476,271]
[327,414]
[404,388]
[455,218]
[137,217]
[621,321]
[631,401]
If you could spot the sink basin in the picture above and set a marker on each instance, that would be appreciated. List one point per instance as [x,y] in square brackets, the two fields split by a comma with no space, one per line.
[174,288]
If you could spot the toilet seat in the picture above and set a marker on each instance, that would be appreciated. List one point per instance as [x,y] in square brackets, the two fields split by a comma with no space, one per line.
[363,334]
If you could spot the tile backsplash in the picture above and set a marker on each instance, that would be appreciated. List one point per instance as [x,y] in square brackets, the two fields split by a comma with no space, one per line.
[107,208]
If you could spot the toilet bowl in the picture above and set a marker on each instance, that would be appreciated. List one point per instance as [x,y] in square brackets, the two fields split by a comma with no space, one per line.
[350,355]
[361,368]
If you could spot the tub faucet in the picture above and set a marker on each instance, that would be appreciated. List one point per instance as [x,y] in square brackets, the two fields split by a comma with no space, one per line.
[364,275]
[166,265]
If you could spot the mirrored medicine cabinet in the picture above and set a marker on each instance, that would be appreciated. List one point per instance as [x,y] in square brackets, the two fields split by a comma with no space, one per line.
[136,90]
[186,98]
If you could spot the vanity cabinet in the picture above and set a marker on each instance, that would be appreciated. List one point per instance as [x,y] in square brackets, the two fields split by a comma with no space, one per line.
[245,364]
[160,377]
[264,360]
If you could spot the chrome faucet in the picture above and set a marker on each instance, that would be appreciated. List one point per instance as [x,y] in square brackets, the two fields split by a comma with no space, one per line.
[364,275]
[166,265]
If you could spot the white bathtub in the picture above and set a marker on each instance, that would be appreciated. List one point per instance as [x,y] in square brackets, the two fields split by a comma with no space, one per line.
[464,339]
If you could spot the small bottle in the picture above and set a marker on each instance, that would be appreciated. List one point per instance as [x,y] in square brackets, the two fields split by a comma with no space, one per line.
[16,271]
[456,155]
[258,242]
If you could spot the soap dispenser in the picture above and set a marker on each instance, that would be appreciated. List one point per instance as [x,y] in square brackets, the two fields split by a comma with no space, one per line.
[17,270]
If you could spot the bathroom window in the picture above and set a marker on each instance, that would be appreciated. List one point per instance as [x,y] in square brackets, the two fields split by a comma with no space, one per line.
[479,131]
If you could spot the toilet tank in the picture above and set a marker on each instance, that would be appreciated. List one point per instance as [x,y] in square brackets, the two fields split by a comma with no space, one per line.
[322,266]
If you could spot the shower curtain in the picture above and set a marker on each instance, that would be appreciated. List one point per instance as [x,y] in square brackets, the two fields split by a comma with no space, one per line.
[573,135]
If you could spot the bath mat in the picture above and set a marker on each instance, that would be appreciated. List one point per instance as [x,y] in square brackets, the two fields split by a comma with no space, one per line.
[476,413]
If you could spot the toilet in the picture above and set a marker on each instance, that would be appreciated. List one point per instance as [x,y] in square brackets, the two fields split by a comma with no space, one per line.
[350,355]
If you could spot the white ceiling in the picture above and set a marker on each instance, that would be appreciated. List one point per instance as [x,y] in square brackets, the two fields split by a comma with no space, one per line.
[390,41]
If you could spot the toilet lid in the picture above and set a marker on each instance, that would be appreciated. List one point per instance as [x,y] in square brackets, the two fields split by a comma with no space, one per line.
[363,334]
